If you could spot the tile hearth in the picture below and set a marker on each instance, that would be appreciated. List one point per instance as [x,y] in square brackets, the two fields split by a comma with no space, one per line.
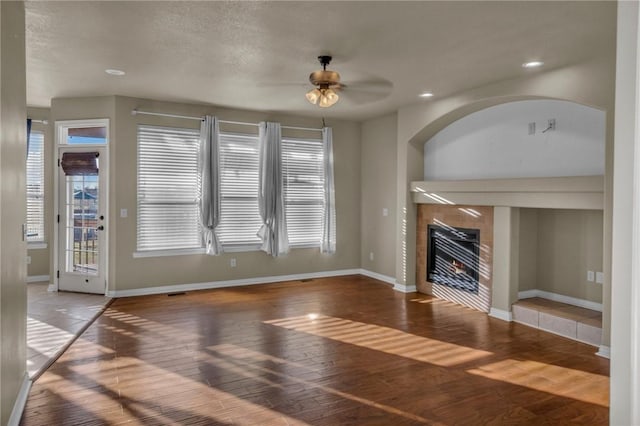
[581,324]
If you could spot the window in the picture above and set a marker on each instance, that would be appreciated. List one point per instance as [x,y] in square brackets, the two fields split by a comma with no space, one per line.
[303,177]
[35,188]
[168,190]
[240,216]
[83,132]
[168,184]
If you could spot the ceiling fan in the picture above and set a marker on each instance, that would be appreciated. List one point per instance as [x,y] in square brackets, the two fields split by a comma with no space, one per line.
[326,83]
[328,87]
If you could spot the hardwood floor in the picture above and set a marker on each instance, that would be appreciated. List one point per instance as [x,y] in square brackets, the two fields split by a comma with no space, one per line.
[338,351]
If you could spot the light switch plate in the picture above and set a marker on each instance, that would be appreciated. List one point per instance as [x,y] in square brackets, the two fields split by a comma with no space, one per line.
[600,277]
[590,276]
[123,213]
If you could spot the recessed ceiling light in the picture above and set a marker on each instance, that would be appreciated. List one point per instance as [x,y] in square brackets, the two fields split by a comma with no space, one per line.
[532,64]
[426,95]
[111,71]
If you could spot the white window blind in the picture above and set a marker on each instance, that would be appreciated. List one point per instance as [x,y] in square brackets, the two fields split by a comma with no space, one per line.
[240,217]
[303,177]
[35,187]
[168,185]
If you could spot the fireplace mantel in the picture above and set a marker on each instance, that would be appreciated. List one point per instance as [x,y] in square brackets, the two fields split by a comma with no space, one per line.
[573,192]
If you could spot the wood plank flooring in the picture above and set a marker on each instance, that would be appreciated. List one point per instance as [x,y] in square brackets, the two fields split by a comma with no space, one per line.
[335,351]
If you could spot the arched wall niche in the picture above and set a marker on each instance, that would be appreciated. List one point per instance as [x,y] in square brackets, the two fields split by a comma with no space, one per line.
[495,141]
[431,128]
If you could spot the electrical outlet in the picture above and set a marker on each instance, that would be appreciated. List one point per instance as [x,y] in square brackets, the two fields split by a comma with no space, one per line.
[532,128]
[371,256]
[385,212]
[233,262]
[590,276]
[123,213]
[600,277]
[28,260]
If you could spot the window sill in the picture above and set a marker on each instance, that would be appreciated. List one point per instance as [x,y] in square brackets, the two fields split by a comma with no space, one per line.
[164,253]
[237,248]
[36,245]
[225,249]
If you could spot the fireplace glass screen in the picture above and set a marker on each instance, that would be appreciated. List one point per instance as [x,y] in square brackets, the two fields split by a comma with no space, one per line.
[453,257]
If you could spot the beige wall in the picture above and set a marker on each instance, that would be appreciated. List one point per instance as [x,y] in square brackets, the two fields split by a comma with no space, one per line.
[13,250]
[378,159]
[569,245]
[528,252]
[557,248]
[127,272]
[40,257]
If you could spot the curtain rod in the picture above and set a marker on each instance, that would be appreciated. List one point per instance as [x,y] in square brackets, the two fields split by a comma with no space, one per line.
[241,123]
[33,120]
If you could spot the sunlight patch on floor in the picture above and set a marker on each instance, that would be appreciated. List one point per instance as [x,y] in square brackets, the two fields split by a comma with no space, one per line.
[553,379]
[250,364]
[384,339]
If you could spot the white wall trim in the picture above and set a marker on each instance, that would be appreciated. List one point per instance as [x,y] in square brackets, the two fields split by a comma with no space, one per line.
[500,314]
[404,288]
[385,278]
[37,278]
[36,245]
[228,283]
[52,288]
[21,401]
[527,294]
[164,253]
[604,351]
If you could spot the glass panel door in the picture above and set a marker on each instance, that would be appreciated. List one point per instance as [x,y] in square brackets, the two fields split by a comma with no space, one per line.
[82,251]
[82,222]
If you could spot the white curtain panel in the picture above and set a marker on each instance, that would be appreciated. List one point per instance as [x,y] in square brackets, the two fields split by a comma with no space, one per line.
[328,243]
[210,184]
[273,232]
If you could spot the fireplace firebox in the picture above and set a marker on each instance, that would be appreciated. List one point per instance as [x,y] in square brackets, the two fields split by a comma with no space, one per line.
[453,257]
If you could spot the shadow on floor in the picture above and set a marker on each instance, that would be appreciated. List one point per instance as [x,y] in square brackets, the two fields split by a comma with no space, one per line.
[54,319]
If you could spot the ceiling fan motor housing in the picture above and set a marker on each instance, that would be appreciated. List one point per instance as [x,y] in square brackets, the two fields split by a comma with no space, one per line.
[325,79]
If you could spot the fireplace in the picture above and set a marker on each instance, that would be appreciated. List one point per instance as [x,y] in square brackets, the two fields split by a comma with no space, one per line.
[453,257]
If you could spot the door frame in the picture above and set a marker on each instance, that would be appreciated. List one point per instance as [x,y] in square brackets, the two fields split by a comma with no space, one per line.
[61,127]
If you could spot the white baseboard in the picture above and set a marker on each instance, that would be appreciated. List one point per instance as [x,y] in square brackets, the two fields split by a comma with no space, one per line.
[405,288]
[37,278]
[594,306]
[228,283]
[500,314]
[21,401]
[385,278]
[52,288]
[604,351]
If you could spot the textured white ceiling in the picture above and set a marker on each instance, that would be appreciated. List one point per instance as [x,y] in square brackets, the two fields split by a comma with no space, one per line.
[258,55]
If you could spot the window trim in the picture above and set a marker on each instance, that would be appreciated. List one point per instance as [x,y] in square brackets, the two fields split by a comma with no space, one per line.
[63,126]
[38,242]
[228,247]
[236,247]
[141,253]
[305,244]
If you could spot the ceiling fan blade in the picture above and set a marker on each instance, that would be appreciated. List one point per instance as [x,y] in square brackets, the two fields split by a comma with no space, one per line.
[365,91]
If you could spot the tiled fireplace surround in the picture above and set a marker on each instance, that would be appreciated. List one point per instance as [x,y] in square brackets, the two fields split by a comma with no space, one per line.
[471,217]
[492,207]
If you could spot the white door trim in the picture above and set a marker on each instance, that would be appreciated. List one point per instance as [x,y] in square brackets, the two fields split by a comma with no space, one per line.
[60,133]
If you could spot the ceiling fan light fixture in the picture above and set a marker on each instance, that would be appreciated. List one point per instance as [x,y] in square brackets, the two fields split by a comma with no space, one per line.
[313,96]
[329,97]
[325,81]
